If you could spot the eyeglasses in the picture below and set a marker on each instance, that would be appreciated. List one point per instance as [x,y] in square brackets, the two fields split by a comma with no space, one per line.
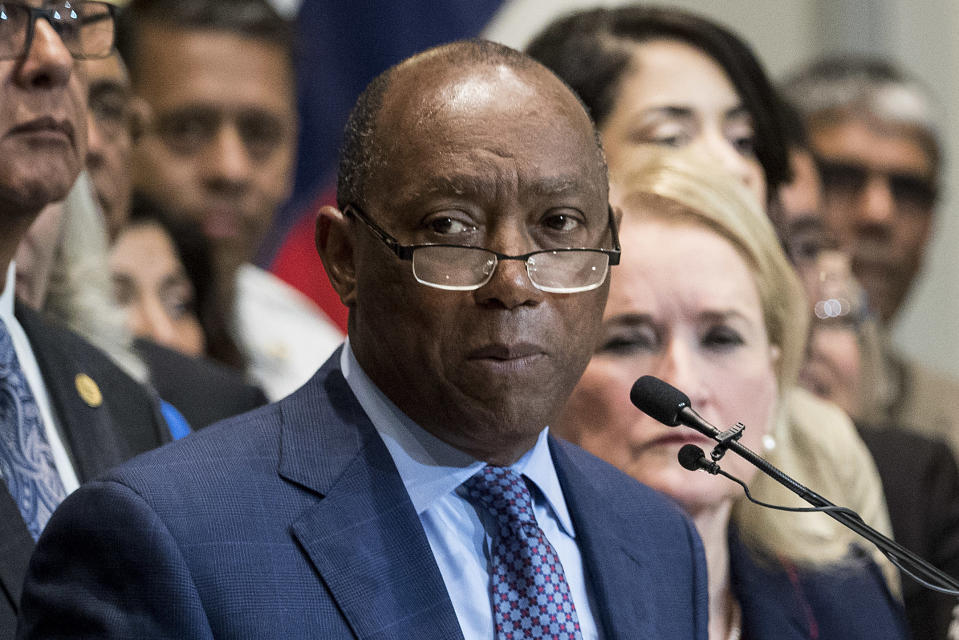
[87,29]
[849,179]
[454,267]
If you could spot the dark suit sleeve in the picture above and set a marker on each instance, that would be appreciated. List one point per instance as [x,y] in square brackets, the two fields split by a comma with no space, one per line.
[107,567]
[921,483]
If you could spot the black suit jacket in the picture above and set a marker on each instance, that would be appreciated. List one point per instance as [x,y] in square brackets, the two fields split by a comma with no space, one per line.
[921,484]
[97,438]
[202,390]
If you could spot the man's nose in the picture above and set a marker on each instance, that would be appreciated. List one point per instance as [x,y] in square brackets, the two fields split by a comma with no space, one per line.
[876,203]
[48,63]
[510,286]
[679,368]
[227,160]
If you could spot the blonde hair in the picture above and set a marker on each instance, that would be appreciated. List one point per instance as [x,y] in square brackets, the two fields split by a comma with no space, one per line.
[816,443]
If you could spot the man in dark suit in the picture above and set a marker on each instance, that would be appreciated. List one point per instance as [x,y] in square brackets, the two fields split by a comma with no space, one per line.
[86,415]
[410,489]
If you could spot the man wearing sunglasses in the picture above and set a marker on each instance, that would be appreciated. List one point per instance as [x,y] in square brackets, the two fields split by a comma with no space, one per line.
[67,413]
[879,157]
[411,488]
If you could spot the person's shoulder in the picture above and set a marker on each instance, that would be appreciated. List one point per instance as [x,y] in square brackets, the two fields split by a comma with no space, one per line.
[845,599]
[229,448]
[897,442]
[929,398]
[205,391]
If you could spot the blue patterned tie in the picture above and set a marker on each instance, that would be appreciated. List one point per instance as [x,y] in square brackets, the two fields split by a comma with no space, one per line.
[26,460]
[531,598]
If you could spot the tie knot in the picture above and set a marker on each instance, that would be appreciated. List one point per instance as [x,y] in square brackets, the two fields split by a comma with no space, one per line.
[503,493]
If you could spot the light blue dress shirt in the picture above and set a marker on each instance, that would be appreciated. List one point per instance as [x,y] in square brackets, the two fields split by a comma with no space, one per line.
[433,472]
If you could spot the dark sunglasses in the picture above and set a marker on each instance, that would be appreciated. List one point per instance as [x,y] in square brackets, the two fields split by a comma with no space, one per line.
[848,178]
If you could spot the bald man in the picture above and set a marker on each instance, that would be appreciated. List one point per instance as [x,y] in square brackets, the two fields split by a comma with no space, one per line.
[411,488]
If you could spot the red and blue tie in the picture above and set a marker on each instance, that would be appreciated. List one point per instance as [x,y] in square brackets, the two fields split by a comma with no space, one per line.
[531,598]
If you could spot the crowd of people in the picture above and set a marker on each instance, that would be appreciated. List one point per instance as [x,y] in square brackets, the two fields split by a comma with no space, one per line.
[517,237]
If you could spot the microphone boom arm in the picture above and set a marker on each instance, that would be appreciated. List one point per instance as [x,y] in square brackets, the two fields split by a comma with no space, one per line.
[889,547]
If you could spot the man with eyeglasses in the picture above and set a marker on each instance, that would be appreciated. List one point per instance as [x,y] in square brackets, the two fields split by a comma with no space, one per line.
[411,488]
[879,157]
[67,413]
[116,118]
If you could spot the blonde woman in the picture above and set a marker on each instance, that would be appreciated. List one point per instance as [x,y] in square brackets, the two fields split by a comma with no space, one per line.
[705,299]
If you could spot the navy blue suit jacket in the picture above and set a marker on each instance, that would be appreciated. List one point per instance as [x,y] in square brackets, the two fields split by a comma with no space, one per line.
[782,601]
[292,522]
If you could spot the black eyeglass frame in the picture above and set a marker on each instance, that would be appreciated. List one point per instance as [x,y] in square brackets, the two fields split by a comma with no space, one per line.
[927,190]
[48,13]
[405,251]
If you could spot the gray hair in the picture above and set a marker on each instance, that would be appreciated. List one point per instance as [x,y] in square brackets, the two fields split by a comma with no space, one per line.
[846,86]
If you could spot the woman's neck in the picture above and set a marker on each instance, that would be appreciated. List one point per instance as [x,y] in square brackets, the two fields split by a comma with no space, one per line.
[712,524]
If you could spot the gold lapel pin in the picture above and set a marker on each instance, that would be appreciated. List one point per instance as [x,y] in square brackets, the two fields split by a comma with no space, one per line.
[88,390]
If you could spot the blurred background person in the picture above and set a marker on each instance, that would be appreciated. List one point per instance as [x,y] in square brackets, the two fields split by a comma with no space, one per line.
[919,474]
[877,149]
[217,76]
[726,323]
[72,285]
[115,120]
[151,285]
[172,296]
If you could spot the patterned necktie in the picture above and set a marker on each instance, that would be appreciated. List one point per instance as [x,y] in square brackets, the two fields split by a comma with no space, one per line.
[530,596]
[26,460]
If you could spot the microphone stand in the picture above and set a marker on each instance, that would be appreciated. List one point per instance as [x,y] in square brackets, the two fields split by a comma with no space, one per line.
[729,439]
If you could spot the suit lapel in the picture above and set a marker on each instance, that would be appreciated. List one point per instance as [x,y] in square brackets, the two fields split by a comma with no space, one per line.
[16,545]
[364,537]
[612,568]
[88,430]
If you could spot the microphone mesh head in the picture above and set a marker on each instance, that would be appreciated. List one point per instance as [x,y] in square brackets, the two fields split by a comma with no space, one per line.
[690,455]
[658,399]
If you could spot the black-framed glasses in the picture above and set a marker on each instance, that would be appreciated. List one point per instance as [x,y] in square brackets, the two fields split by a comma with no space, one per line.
[87,29]
[456,267]
[848,179]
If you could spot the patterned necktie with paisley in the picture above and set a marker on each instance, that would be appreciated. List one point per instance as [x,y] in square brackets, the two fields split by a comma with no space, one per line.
[26,460]
[531,598]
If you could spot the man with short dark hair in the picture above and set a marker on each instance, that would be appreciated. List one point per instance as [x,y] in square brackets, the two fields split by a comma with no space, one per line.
[410,489]
[67,413]
[218,78]
[873,131]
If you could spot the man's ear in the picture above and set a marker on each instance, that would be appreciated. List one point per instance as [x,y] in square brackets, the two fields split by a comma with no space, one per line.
[334,243]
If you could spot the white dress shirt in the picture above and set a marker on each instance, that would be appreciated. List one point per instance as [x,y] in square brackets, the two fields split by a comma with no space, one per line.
[31,370]
[284,336]
[433,472]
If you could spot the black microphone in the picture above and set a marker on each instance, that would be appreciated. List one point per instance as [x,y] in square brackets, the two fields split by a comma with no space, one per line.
[669,405]
[694,459]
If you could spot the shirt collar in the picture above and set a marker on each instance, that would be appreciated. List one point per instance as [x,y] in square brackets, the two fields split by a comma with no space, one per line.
[431,468]
[6,298]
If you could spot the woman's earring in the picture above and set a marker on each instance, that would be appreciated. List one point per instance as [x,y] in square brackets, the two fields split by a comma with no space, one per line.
[769,442]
